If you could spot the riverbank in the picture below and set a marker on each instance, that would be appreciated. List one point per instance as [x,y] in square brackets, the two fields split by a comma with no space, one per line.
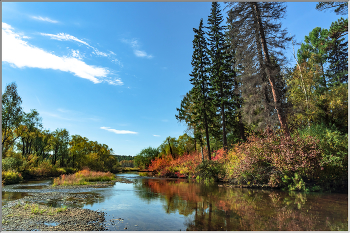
[49,211]
[27,215]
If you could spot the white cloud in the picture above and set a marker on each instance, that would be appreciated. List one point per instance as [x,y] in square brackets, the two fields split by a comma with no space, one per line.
[116,82]
[135,45]
[64,36]
[156,135]
[21,54]
[77,54]
[44,19]
[99,53]
[140,53]
[116,61]
[118,131]
[57,116]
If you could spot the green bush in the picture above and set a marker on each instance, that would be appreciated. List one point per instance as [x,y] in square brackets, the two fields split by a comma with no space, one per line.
[334,147]
[209,169]
[295,183]
[11,163]
[11,177]
[70,170]
[144,158]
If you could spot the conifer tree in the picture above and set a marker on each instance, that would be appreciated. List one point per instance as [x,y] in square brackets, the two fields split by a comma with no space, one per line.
[258,36]
[202,103]
[221,69]
[340,8]
[338,52]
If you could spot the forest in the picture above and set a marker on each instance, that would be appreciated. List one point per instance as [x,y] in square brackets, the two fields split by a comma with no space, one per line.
[29,150]
[253,118]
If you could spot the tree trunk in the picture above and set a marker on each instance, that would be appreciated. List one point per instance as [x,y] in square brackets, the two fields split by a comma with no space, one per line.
[207,137]
[171,151]
[278,108]
[241,127]
[224,139]
[202,153]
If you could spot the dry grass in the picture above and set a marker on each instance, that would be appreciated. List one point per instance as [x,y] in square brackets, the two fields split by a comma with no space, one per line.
[83,177]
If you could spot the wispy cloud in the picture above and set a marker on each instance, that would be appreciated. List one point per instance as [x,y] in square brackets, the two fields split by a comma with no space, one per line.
[38,100]
[135,46]
[71,115]
[21,54]
[67,37]
[57,116]
[156,135]
[64,36]
[63,110]
[116,61]
[115,82]
[44,19]
[77,54]
[118,131]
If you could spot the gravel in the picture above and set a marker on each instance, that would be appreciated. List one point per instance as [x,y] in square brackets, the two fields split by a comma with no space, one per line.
[22,215]
[48,211]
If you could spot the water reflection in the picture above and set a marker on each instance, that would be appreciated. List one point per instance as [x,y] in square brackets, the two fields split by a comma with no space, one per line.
[171,204]
[213,208]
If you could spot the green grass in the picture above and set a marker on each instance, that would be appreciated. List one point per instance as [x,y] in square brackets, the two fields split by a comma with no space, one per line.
[83,177]
[61,209]
[35,209]
[143,173]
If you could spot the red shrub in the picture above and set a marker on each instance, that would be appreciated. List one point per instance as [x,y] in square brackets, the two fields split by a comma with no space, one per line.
[271,156]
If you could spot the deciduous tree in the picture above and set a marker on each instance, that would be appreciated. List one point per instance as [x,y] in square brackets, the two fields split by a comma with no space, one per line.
[11,116]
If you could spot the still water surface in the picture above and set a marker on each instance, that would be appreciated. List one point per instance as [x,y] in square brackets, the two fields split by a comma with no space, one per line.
[151,204]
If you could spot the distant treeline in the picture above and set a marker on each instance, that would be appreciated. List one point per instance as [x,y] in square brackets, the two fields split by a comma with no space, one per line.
[124,157]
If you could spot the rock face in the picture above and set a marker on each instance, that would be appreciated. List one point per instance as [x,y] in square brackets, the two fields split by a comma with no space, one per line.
[28,216]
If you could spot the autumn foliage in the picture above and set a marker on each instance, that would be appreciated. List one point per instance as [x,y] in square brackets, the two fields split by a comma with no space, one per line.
[83,177]
[270,158]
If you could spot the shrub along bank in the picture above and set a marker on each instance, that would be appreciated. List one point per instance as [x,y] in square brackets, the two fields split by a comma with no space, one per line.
[303,162]
[83,177]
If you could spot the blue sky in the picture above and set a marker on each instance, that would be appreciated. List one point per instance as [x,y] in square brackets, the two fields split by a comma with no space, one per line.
[113,72]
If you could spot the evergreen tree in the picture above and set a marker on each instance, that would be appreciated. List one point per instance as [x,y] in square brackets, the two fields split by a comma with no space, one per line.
[202,103]
[221,69]
[338,52]
[258,36]
[340,8]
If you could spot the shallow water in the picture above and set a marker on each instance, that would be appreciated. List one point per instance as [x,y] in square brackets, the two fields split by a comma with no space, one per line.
[151,204]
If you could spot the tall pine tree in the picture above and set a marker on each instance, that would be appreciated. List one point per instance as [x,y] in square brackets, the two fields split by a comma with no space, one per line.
[221,69]
[202,103]
[258,36]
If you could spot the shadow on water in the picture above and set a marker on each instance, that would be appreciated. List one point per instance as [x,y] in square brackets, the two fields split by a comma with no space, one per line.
[171,204]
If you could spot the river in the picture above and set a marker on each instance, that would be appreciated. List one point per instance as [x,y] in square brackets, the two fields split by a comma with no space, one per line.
[152,204]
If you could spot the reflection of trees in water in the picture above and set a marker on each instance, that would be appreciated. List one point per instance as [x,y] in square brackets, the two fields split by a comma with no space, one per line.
[10,196]
[144,192]
[212,208]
